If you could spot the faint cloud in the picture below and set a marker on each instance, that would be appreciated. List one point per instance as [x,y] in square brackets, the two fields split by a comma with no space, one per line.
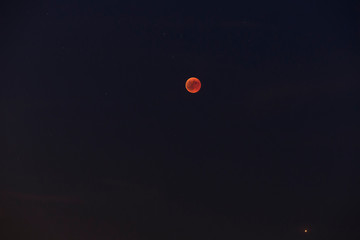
[40,198]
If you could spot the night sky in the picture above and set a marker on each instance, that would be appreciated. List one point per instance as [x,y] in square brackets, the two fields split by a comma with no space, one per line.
[101,140]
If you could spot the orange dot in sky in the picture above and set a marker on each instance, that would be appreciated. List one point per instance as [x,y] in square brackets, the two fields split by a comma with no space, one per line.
[306,230]
[193,85]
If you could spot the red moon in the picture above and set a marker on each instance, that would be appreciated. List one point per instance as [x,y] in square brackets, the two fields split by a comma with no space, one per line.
[193,85]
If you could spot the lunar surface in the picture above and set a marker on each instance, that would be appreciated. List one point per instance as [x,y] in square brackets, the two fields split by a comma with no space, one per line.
[193,85]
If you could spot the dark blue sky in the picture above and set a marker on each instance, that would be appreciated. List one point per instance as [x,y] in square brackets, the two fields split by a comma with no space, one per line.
[102,141]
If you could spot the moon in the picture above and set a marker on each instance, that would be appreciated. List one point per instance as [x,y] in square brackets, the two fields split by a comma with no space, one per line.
[193,85]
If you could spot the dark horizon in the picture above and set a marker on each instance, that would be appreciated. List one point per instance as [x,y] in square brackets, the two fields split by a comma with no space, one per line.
[102,140]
